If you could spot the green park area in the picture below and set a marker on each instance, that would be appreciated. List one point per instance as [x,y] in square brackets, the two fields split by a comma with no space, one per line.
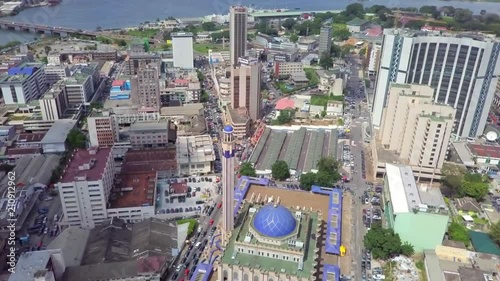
[192,224]
[204,47]
[323,100]
[143,33]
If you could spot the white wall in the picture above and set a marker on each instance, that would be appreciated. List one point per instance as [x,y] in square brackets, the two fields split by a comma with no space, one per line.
[183,51]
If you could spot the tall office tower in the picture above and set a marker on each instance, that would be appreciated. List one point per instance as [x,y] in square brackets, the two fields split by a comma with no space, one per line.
[237,32]
[54,102]
[325,40]
[182,47]
[415,127]
[463,69]
[227,181]
[246,80]
[146,88]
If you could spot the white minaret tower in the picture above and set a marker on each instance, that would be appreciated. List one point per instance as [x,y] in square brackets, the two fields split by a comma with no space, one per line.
[227,182]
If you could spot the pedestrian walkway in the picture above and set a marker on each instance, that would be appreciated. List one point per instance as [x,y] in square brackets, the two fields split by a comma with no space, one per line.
[347,234]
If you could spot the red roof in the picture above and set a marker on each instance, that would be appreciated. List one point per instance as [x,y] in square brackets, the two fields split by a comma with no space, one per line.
[181,81]
[84,156]
[30,137]
[179,188]
[118,83]
[374,31]
[285,103]
[485,151]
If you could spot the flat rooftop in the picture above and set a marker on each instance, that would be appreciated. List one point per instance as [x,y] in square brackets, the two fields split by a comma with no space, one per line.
[195,149]
[82,157]
[59,131]
[149,160]
[149,126]
[301,148]
[403,188]
[486,151]
[186,109]
[134,190]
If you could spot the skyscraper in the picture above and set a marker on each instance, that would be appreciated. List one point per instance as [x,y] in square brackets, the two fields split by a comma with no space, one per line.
[245,86]
[182,47]
[325,40]
[146,88]
[237,32]
[227,181]
[463,69]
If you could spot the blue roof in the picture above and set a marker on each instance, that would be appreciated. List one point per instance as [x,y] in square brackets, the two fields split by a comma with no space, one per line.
[27,70]
[274,221]
[228,129]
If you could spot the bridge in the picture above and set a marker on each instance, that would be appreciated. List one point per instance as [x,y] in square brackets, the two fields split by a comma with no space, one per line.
[287,14]
[44,29]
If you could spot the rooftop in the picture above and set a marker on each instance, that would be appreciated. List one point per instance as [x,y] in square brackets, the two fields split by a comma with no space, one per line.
[72,242]
[485,151]
[30,263]
[30,137]
[86,164]
[149,126]
[195,149]
[237,117]
[186,109]
[59,131]
[149,160]
[285,103]
[403,188]
[134,190]
[301,148]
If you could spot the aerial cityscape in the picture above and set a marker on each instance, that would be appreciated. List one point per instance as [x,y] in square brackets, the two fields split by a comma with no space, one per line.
[357,140]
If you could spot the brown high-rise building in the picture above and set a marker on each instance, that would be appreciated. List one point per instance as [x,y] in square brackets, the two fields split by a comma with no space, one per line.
[146,88]
[238,18]
[245,85]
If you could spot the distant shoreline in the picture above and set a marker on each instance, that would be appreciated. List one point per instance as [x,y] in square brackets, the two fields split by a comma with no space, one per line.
[473,1]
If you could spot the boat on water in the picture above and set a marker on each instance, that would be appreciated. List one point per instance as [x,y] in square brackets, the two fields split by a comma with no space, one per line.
[53,2]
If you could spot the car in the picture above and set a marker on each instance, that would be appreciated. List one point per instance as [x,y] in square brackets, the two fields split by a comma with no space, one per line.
[174,276]
[211,222]
[49,199]
[219,205]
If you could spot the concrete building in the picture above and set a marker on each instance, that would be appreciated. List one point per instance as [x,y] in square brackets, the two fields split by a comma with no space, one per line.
[412,115]
[46,265]
[238,19]
[54,140]
[152,134]
[418,214]
[463,68]
[195,155]
[374,58]
[23,83]
[82,84]
[103,129]
[182,47]
[325,40]
[285,69]
[228,150]
[357,25]
[54,73]
[146,88]
[54,102]
[85,186]
[135,60]
[246,81]
[239,120]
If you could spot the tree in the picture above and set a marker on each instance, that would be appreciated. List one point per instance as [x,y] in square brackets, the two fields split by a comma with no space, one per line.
[462,15]
[326,61]
[280,170]
[356,10]
[285,116]
[47,49]
[246,169]
[430,10]
[458,232]
[407,249]
[307,180]
[453,175]
[294,38]
[327,164]
[204,96]
[384,243]
[341,34]
[475,189]
[208,26]
[76,139]
[289,24]
[495,232]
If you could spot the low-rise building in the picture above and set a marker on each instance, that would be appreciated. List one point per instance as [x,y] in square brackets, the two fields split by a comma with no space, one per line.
[334,108]
[286,69]
[357,25]
[299,80]
[103,129]
[54,140]
[417,213]
[182,90]
[55,72]
[152,134]
[82,83]
[195,154]
[240,121]
[85,186]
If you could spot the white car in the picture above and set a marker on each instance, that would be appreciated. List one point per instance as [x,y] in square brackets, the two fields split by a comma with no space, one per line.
[49,198]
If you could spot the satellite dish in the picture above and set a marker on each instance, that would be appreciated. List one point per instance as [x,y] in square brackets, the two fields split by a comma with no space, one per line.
[492,136]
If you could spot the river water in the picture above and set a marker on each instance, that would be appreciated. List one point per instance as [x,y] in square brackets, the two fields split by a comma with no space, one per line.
[88,14]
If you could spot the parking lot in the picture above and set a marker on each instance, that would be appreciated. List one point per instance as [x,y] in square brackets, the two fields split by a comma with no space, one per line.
[185,196]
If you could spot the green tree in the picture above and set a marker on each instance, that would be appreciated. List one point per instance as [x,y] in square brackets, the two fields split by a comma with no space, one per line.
[458,232]
[495,232]
[453,175]
[407,249]
[341,34]
[356,10]
[289,23]
[204,96]
[326,61]
[208,26]
[285,116]
[280,170]
[294,38]
[47,49]
[200,75]
[246,169]
[327,164]
[307,180]
[475,189]
[462,15]
[383,242]
[76,139]
[44,60]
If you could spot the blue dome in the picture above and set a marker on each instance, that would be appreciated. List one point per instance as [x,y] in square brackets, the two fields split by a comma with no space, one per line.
[274,221]
[228,129]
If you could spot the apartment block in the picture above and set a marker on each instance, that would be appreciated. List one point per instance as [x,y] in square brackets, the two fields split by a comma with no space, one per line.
[195,154]
[284,69]
[82,84]
[182,47]
[246,80]
[146,88]
[136,59]
[85,186]
[415,127]
[23,83]
[103,129]
[374,58]
[54,102]
[54,73]
[325,40]
[152,134]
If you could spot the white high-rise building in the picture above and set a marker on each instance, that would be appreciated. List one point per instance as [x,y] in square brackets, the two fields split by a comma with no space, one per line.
[85,186]
[23,83]
[54,102]
[238,19]
[463,68]
[182,47]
